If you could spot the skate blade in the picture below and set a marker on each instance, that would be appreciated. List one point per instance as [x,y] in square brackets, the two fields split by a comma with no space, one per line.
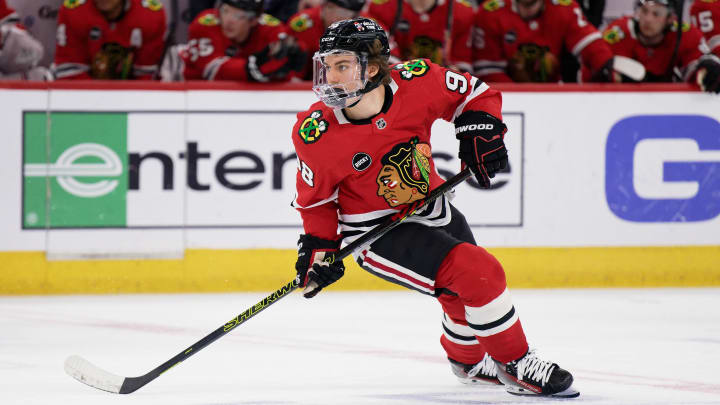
[479,381]
[568,393]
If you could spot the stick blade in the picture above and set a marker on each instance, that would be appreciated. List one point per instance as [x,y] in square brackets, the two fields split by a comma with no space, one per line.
[629,67]
[87,373]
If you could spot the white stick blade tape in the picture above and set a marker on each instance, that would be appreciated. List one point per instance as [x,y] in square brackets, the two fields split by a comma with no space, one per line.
[87,373]
[629,67]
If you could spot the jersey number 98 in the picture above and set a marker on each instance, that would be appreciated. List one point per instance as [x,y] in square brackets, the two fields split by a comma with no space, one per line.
[456,82]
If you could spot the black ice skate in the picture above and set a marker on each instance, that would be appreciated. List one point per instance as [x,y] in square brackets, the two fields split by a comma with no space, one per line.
[484,372]
[530,375]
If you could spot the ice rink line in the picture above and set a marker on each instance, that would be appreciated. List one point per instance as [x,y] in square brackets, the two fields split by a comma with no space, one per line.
[624,346]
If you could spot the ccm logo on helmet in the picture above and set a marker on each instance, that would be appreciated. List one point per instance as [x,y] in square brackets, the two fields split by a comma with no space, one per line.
[473,127]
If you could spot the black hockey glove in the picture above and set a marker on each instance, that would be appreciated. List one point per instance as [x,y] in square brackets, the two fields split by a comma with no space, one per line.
[481,144]
[709,80]
[276,61]
[316,266]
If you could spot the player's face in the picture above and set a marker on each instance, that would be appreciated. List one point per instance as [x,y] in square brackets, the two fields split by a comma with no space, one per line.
[343,69]
[332,13]
[393,189]
[236,23]
[106,6]
[528,9]
[652,18]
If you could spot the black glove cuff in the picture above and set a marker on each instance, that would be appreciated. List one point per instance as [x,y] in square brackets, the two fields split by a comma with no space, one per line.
[478,123]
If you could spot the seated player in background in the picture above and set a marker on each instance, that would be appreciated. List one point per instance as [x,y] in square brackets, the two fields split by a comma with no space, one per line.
[364,157]
[236,41]
[705,14]
[284,9]
[651,37]
[522,40]
[109,39]
[307,26]
[19,51]
[422,29]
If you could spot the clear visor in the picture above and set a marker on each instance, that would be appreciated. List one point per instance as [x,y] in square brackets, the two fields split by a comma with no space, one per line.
[339,77]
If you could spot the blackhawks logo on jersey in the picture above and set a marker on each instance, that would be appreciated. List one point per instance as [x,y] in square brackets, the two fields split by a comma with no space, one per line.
[153,5]
[493,5]
[562,2]
[270,21]
[405,173]
[209,20]
[313,127]
[613,35]
[301,22]
[70,4]
[412,68]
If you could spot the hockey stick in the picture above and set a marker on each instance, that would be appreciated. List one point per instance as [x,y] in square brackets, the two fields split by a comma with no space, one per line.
[447,46]
[87,373]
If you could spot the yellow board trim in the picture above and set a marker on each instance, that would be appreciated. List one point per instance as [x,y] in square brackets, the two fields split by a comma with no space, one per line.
[267,269]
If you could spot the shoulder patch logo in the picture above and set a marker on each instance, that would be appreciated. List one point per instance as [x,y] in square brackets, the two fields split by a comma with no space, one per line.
[379,2]
[613,35]
[313,127]
[493,5]
[405,173]
[465,3]
[301,23]
[71,4]
[209,20]
[412,69]
[709,1]
[361,161]
[562,2]
[153,5]
[267,19]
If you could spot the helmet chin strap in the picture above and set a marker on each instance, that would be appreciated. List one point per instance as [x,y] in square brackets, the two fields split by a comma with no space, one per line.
[370,86]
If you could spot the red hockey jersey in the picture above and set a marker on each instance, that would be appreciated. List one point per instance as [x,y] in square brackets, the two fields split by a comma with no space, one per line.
[423,35]
[210,55]
[508,48]
[361,172]
[7,14]
[87,45]
[307,27]
[705,15]
[622,37]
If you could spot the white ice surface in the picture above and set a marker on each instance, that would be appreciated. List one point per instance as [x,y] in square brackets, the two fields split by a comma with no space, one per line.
[624,346]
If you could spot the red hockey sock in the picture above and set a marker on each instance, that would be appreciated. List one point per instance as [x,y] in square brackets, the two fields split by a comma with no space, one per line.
[479,281]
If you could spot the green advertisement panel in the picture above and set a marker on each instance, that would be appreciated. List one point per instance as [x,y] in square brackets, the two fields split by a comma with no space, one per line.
[74,170]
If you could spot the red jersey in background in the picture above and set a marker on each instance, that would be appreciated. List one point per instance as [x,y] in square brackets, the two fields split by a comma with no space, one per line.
[423,35]
[89,46]
[705,15]
[622,37]
[508,48]
[210,55]
[307,27]
[7,14]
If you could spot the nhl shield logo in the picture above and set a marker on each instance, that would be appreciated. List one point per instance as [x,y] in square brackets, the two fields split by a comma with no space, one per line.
[381,124]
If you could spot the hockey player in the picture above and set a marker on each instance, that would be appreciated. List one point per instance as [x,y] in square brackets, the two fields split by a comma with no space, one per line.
[705,15]
[19,51]
[307,26]
[522,40]
[364,156]
[109,39]
[651,37]
[419,28]
[238,42]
